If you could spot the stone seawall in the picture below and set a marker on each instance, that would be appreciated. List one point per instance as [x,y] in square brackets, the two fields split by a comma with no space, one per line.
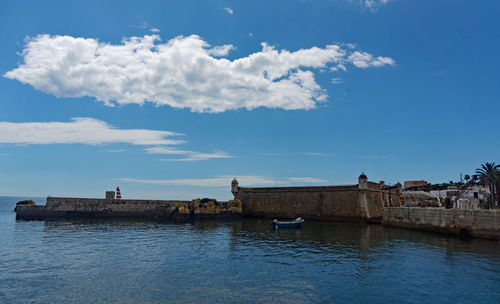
[475,223]
[61,207]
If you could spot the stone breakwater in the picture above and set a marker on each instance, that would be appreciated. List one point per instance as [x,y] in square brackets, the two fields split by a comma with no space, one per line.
[474,223]
[62,207]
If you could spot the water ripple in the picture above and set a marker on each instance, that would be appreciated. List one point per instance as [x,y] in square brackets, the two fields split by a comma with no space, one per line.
[240,261]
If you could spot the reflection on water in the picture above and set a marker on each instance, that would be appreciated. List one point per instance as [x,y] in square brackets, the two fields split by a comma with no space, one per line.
[238,261]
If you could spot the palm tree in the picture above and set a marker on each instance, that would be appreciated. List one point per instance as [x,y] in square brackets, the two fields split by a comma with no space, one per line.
[489,174]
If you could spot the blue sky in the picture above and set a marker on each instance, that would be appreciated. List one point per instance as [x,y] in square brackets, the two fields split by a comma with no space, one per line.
[272,92]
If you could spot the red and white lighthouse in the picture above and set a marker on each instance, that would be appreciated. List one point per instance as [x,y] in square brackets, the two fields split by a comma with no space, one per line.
[118,194]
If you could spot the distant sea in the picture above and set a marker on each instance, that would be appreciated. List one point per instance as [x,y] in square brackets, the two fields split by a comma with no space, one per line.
[238,261]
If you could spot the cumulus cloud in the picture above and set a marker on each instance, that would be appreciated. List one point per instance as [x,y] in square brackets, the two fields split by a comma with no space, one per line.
[229,10]
[224,181]
[338,67]
[154,30]
[365,60]
[90,131]
[222,50]
[184,72]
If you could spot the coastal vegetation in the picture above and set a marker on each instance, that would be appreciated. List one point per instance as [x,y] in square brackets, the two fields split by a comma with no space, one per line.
[489,174]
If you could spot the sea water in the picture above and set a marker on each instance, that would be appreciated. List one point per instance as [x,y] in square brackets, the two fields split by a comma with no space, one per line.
[238,261]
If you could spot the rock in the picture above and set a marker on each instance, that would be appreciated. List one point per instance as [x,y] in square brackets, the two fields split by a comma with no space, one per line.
[206,207]
[25,203]
[234,206]
[206,200]
[183,209]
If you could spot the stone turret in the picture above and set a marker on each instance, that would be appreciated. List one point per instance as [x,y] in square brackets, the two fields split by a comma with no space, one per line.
[234,186]
[363,181]
[362,206]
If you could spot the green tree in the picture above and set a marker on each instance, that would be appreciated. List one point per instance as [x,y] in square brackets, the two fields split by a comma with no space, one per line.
[488,173]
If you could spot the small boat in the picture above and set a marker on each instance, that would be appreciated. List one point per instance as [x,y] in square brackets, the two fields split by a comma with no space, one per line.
[287,224]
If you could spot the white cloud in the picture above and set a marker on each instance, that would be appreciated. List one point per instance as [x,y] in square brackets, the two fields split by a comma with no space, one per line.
[80,130]
[229,10]
[317,154]
[373,4]
[338,67]
[336,80]
[145,25]
[365,60]
[224,181]
[311,180]
[184,72]
[140,26]
[90,131]
[222,50]
[196,156]
[190,155]
[165,150]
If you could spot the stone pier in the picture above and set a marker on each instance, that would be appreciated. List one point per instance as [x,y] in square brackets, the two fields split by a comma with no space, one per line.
[63,207]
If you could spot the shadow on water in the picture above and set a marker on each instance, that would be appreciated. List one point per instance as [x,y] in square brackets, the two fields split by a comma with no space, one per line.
[199,224]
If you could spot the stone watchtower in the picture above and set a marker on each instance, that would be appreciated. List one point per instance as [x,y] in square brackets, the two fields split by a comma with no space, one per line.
[363,181]
[234,186]
[362,206]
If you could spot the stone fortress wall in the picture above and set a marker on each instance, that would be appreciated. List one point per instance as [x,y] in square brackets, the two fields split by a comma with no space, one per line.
[362,202]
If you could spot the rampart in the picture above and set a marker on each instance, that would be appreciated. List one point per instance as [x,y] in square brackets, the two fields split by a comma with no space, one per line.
[474,223]
[62,207]
[360,203]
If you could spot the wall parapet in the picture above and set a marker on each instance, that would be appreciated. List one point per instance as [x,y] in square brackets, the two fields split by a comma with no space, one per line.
[297,189]
[64,200]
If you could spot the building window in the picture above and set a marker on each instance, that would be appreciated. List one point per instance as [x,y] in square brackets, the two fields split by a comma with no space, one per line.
[476,195]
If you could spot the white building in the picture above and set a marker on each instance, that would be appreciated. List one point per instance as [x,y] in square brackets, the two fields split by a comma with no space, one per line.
[470,199]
